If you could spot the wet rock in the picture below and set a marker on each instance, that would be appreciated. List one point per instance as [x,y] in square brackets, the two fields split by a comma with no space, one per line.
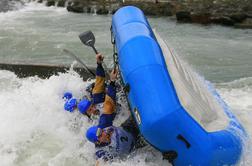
[151,8]
[75,9]
[201,18]
[102,11]
[246,24]
[183,16]
[114,10]
[9,5]
[243,26]
[239,17]
[87,9]
[50,3]
[40,1]
[223,20]
[61,3]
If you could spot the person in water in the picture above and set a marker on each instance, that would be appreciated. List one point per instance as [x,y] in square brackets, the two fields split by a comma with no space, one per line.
[115,142]
[101,103]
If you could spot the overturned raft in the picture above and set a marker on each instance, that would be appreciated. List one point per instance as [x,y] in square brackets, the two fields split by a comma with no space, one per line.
[177,112]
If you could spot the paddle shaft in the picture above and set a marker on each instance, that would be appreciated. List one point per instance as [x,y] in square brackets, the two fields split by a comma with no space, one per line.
[104,64]
[88,39]
[95,50]
[77,59]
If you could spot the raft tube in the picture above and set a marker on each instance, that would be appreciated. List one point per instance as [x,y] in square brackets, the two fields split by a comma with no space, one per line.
[162,116]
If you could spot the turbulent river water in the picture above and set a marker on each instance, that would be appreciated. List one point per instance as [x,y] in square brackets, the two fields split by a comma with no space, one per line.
[34,129]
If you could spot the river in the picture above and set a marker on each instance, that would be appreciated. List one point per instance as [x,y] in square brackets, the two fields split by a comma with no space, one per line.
[34,129]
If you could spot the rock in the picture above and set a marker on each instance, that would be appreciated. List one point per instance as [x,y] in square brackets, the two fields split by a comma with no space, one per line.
[239,17]
[249,15]
[243,26]
[114,10]
[75,9]
[183,16]
[149,11]
[102,11]
[10,5]
[40,1]
[247,23]
[87,9]
[151,8]
[61,3]
[50,3]
[223,20]
[202,18]
[167,11]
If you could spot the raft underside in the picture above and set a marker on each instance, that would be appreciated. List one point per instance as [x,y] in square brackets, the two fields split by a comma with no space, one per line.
[161,115]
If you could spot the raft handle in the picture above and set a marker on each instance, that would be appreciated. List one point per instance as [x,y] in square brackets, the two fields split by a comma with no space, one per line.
[180,137]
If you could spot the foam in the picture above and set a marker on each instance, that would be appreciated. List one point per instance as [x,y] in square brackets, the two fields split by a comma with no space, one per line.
[35,129]
[238,95]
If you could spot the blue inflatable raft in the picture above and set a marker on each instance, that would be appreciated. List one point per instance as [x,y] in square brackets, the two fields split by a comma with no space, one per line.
[177,112]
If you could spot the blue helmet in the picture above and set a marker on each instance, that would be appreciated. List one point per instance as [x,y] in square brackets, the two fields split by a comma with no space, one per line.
[84,105]
[93,133]
[70,105]
[67,95]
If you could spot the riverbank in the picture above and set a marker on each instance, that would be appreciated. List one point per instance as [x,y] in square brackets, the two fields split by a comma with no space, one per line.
[236,13]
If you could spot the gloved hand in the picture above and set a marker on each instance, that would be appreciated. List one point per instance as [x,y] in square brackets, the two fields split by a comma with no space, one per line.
[99,58]
[113,74]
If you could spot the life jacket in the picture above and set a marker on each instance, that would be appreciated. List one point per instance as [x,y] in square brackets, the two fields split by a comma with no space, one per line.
[120,145]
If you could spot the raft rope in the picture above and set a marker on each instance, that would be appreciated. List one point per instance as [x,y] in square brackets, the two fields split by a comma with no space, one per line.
[126,89]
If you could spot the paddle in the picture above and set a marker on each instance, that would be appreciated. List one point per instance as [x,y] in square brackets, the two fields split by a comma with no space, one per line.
[78,60]
[88,39]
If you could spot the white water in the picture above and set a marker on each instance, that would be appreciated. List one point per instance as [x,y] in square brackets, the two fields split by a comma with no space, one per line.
[34,128]
[238,95]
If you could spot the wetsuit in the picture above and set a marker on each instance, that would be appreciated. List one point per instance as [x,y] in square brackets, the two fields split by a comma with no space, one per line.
[121,144]
[124,139]
[105,102]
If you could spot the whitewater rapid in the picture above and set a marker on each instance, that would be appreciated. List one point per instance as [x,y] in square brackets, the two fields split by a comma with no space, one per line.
[35,130]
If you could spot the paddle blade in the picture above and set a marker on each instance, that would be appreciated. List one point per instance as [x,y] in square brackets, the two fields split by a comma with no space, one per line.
[87,38]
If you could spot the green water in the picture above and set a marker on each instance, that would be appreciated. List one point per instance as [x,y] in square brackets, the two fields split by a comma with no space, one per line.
[34,129]
[37,34]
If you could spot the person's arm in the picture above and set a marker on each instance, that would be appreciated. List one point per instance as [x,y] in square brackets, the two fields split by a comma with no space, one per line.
[109,106]
[110,99]
[99,87]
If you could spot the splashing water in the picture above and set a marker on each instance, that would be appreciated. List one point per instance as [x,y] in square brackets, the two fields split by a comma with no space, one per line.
[35,130]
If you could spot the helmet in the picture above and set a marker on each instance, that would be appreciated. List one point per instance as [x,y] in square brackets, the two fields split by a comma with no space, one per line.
[67,95]
[84,105]
[70,104]
[93,133]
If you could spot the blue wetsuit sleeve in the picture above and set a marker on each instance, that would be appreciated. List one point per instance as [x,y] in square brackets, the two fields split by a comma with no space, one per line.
[104,155]
[112,90]
[106,120]
[100,70]
[98,92]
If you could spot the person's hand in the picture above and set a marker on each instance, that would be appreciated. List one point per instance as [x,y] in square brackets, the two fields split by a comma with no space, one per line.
[99,58]
[113,74]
